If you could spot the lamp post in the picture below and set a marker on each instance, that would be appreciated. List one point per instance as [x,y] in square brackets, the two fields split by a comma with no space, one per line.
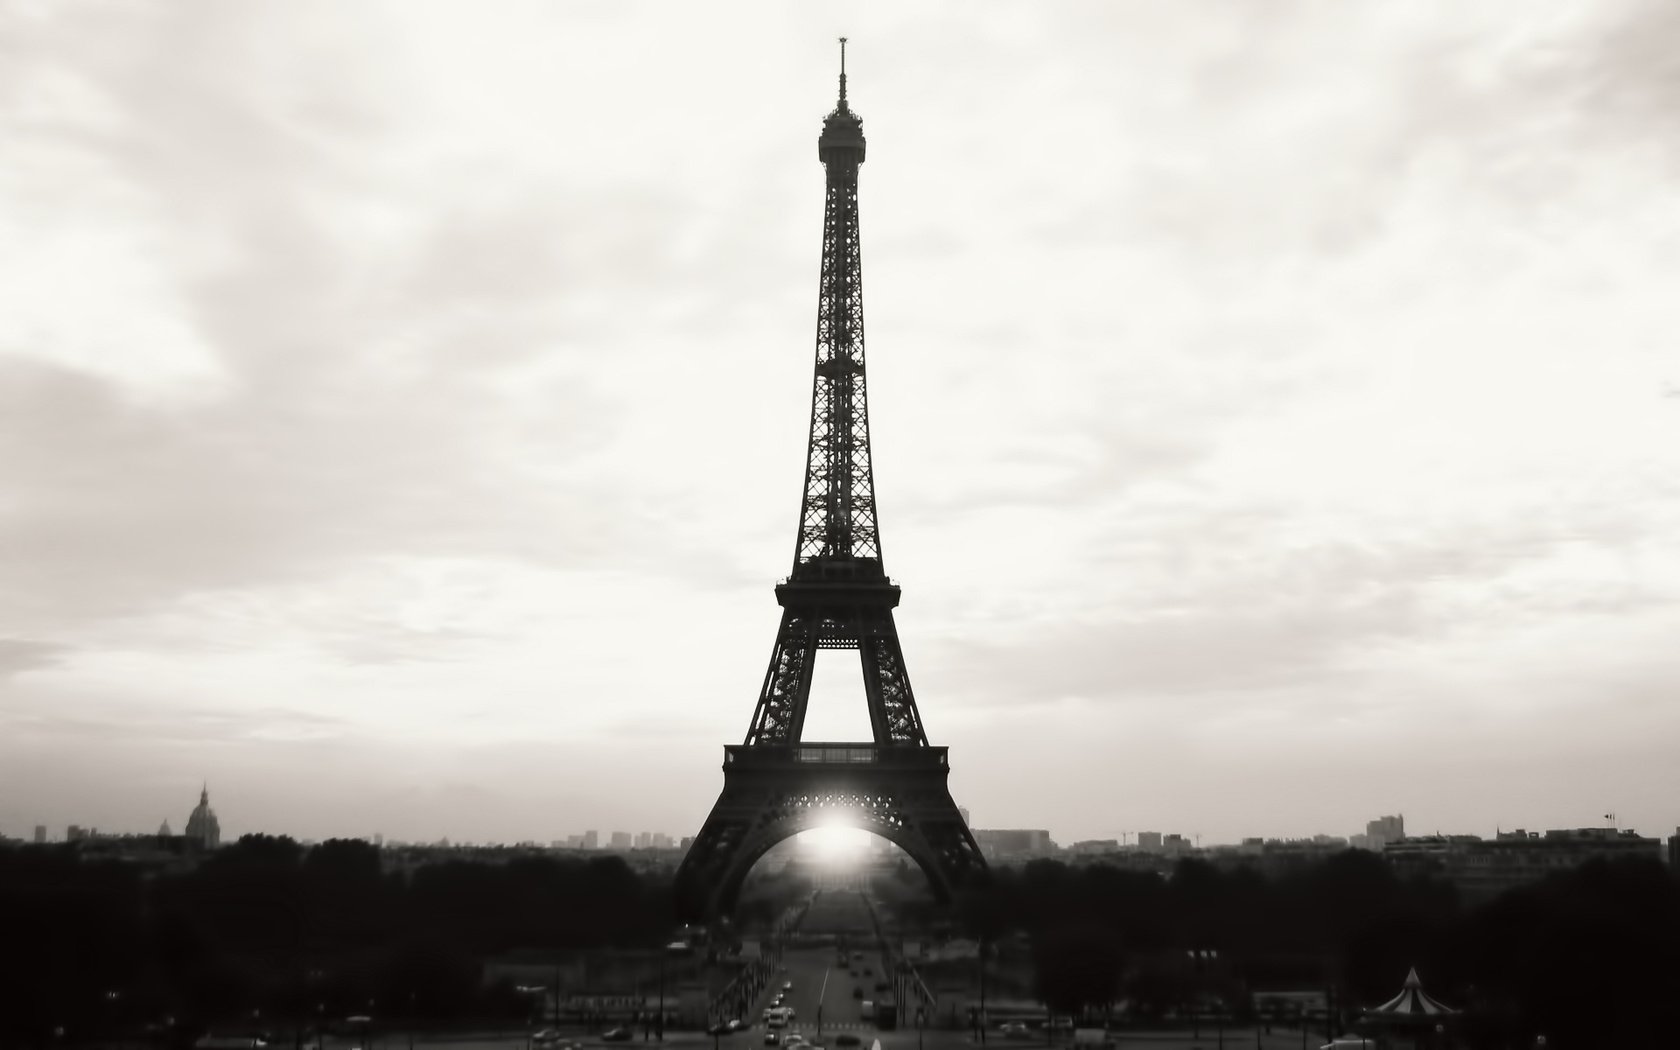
[659,1025]
[111,1023]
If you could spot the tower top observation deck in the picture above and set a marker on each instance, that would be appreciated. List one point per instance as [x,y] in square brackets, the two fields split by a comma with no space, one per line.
[842,133]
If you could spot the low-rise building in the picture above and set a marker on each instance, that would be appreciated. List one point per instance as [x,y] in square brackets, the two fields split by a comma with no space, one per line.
[1013,843]
[1094,847]
[1484,868]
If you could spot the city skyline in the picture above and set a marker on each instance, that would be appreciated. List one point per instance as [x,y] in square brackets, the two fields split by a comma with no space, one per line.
[1275,416]
[841,837]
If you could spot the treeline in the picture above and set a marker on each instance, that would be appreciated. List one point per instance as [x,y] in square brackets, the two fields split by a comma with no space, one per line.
[268,931]
[1586,957]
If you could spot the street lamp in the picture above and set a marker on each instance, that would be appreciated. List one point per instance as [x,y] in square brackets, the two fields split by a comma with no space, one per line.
[111,998]
[659,1025]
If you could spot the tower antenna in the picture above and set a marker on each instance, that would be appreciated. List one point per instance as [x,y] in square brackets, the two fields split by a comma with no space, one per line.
[842,72]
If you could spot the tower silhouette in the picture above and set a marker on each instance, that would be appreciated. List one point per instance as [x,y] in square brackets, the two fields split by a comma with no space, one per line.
[838,596]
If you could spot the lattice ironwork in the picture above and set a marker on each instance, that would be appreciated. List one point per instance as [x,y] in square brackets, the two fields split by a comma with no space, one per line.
[838,596]
[837,513]
[780,792]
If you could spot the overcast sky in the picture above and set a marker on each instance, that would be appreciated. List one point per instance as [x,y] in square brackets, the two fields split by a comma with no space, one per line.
[1276,408]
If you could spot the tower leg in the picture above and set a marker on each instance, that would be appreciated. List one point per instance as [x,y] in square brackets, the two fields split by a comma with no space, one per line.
[896,793]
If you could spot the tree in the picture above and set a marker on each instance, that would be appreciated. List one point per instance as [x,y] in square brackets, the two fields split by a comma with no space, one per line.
[1076,968]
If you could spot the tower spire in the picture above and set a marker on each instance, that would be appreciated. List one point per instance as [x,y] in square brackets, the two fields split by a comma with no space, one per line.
[842,72]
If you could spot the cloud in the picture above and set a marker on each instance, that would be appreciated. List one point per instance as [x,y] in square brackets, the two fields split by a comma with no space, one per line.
[18,655]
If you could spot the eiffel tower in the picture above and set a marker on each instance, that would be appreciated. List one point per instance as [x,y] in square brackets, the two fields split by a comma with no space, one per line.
[775,783]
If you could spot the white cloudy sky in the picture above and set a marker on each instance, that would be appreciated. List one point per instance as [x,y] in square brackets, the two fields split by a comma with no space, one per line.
[1276,407]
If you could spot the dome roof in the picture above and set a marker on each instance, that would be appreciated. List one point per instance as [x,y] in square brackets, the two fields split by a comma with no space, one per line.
[202,824]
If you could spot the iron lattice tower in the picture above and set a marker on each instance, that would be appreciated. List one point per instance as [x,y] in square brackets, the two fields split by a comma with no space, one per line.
[838,596]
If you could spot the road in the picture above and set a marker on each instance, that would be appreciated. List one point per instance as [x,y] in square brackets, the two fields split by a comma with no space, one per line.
[822,992]
[1237,1039]
[826,1009]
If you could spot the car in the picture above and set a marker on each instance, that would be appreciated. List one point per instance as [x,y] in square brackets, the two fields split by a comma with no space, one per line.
[847,1039]
[1015,1028]
[787,986]
[617,1035]
[721,1028]
[735,1024]
[857,992]
[772,1038]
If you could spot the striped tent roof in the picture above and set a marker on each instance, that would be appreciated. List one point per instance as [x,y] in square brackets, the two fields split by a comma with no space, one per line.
[1412,1001]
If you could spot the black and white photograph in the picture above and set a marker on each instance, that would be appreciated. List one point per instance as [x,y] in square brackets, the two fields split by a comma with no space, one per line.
[464,584]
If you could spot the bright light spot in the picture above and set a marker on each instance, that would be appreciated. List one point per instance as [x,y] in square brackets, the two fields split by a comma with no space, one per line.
[834,841]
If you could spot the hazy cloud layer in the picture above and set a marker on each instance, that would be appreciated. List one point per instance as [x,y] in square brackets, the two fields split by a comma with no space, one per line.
[402,408]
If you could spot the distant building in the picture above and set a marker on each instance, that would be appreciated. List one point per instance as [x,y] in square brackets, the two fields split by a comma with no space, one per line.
[1175,844]
[1484,868]
[1150,841]
[592,840]
[76,833]
[1278,856]
[1091,847]
[1383,830]
[1673,846]
[621,840]
[202,826]
[687,841]
[643,840]
[40,834]
[164,832]
[1007,843]
[963,813]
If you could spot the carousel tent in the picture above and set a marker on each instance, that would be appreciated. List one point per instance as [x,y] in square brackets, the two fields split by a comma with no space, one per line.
[1412,1002]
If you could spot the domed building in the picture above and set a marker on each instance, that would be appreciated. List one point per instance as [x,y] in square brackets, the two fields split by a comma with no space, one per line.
[202,827]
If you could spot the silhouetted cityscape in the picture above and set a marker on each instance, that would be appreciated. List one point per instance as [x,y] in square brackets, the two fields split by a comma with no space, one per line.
[1480,867]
